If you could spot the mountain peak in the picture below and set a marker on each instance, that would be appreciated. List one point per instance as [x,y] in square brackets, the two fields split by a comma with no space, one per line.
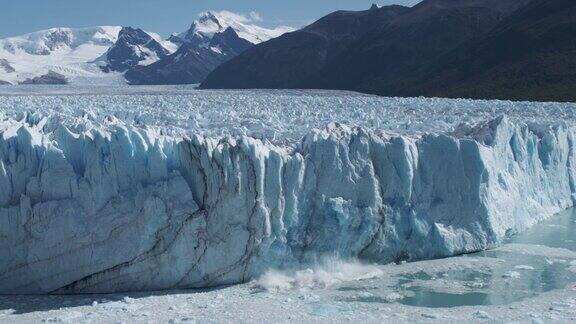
[210,23]
[134,47]
[208,17]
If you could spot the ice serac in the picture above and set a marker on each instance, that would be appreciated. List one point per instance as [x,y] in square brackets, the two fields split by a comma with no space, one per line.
[111,207]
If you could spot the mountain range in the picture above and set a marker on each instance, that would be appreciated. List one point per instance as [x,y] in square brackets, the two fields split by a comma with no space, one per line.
[211,40]
[489,49]
[117,55]
[485,49]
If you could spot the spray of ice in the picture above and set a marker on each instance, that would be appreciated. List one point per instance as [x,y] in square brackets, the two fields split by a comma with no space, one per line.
[328,273]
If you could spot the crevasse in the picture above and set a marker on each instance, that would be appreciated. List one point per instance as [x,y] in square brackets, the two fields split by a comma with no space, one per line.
[118,208]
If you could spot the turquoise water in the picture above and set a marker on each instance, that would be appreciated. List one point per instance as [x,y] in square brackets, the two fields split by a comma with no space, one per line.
[558,232]
[539,260]
[518,276]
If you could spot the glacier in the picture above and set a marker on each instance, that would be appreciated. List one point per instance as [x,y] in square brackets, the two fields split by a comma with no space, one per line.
[282,117]
[111,206]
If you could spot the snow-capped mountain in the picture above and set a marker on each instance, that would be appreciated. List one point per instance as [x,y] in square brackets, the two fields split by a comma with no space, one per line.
[213,39]
[52,40]
[192,62]
[133,47]
[66,51]
[213,22]
[106,54]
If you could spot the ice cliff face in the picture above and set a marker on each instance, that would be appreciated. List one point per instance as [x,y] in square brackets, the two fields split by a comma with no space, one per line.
[114,207]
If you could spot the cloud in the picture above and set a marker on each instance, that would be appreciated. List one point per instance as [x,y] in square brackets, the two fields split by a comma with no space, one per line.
[254,16]
[251,17]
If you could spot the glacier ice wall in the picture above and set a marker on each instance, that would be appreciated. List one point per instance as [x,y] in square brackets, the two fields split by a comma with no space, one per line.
[117,208]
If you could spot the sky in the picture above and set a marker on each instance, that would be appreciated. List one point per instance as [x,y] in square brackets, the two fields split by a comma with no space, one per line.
[161,16]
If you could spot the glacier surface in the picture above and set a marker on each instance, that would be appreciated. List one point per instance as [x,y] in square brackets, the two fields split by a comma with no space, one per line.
[282,117]
[92,203]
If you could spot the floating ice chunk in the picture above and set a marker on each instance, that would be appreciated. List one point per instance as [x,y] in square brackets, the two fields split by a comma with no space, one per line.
[393,297]
[524,267]
[511,274]
[481,314]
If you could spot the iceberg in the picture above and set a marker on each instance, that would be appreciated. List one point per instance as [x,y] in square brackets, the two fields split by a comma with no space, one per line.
[115,207]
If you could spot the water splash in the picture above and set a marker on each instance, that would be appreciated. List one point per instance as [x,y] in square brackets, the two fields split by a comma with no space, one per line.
[325,274]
